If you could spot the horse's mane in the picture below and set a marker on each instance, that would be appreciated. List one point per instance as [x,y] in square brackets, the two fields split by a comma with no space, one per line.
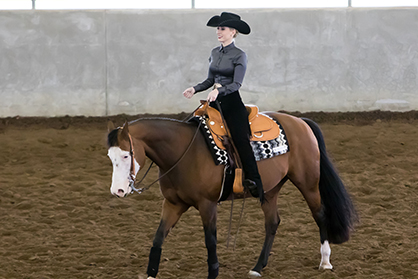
[157,118]
[112,137]
[162,119]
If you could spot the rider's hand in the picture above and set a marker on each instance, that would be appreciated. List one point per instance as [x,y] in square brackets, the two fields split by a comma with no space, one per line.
[189,92]
[212,95]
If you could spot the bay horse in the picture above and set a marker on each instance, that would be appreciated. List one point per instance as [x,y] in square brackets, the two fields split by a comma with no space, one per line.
[196,181]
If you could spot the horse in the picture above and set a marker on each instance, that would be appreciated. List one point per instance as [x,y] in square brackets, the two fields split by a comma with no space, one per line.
[190,178]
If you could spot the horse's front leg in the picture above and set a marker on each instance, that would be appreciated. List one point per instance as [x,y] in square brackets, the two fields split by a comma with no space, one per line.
[170,215]
[272,221]
[208,214]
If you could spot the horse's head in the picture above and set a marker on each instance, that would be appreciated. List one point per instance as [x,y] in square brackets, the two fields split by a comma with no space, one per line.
[123,152]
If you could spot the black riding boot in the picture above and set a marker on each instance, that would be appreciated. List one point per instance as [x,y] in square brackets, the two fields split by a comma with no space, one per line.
[236,117]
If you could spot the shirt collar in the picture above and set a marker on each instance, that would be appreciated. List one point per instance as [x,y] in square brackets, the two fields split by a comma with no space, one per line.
[227,48]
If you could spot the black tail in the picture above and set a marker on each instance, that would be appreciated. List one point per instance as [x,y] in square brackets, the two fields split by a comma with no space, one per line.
[339,212]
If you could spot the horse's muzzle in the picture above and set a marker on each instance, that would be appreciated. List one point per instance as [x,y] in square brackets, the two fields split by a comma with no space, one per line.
[121,193]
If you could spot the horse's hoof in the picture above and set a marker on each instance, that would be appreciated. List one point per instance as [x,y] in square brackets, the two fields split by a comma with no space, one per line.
[253,274]
[324,266]
[150,277]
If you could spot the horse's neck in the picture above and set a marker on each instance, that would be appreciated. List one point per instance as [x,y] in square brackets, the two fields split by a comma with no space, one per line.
[163,140]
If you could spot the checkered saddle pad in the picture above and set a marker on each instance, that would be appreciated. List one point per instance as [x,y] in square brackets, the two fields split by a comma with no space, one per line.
[262,149]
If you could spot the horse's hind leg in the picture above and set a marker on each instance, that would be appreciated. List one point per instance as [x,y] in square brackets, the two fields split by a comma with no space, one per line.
[310,191]
[208,213]
[272,221]
[170,215]
[317,212]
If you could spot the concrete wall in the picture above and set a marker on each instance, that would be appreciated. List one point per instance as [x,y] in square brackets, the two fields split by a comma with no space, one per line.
[97,63]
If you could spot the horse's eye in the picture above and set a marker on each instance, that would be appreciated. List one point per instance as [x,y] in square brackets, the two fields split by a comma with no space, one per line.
[125,157]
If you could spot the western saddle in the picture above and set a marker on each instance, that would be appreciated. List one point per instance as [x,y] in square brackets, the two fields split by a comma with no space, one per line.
[263,128]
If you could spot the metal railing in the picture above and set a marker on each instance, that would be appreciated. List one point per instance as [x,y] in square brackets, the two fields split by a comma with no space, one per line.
[349,3]
[193,4]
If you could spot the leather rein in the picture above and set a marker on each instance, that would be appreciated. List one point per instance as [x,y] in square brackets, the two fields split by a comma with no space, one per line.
[135,185]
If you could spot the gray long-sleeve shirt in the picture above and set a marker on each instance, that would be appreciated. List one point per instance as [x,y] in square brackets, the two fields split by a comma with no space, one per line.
[227,66]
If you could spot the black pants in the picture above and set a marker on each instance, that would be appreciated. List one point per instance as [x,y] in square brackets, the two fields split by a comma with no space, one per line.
[236,117]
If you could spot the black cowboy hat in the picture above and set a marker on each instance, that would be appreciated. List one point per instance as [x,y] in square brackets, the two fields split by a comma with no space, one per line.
[230,20]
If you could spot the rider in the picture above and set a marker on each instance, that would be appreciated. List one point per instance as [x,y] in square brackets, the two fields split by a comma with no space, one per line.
[227,66]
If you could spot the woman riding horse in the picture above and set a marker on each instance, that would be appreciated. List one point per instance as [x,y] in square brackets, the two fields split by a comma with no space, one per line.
[227,66]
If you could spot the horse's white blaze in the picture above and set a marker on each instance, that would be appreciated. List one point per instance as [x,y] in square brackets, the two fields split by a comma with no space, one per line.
[121,161]
[325,254]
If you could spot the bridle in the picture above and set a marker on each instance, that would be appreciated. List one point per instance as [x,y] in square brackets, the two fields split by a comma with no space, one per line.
[135,185]
[131,176]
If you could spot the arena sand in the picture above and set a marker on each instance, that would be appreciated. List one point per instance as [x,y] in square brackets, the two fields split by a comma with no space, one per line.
[59,220]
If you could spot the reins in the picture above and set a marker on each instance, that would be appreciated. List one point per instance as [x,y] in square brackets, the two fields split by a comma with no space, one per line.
[134,184]
[230,222]
[239,165]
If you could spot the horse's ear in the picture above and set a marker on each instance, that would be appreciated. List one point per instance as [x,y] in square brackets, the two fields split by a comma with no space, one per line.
[110,126]
[125,129]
